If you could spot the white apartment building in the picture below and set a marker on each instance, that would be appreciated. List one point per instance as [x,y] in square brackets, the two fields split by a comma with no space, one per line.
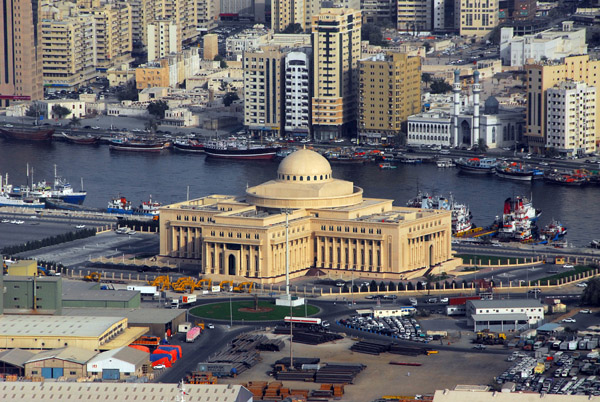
[551,44]
[504,315]
[247,40]
[297,94]
[571,118]
[163,39]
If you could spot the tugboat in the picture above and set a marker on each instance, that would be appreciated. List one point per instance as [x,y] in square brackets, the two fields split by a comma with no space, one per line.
[120,205]
[518,219]
[554,230]
[476,165]
[461,215]
[188,145]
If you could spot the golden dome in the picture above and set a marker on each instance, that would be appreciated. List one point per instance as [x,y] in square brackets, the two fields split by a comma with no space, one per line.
[304,166]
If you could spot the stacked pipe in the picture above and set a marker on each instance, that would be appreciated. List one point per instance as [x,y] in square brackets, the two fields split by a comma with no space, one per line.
[406,350]
[338,373]
[371,347]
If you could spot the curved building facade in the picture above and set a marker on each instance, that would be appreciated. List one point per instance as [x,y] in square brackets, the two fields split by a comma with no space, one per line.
[330,226]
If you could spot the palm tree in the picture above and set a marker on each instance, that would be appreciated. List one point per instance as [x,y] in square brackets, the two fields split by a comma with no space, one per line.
[75,121]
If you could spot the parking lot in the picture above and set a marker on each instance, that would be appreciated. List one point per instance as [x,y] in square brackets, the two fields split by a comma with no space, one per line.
[406,328]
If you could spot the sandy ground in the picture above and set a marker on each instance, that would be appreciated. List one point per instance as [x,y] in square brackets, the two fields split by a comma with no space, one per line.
[441,371]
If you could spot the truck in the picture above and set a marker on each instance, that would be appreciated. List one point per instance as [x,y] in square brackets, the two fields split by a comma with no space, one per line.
[184,327]
[183,301]
[192,334]
[306,322]
[145,290]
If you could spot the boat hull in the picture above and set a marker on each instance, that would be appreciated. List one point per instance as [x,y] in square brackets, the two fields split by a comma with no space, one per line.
[474,170]
[521,176]
[27,135]
[188,148]
[137,148]
[257,153]
[9,202]
[76,198]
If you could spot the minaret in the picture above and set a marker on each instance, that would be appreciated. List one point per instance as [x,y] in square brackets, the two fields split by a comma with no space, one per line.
[476,90]
[456,89]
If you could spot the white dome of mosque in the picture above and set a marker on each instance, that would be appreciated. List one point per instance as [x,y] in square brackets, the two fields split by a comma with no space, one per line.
[304,165]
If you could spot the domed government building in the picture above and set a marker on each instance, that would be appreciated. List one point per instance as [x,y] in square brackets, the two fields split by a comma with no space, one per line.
[331,227]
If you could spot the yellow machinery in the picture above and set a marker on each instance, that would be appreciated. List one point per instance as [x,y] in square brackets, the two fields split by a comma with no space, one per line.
[223,283]
[162,283]
[242,287]
[200,283]
[93,277]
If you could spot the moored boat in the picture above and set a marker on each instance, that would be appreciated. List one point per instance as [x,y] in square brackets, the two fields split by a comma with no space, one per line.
[121,205]
[514,171]
[27,134]
[461,215]
[575,178]
[238,150]
[476,165]
[86,139]
[135,145]
[554,230]
[387,165]
[445,163]
[188,145]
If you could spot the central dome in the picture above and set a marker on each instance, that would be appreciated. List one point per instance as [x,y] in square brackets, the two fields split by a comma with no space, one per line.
[304,165]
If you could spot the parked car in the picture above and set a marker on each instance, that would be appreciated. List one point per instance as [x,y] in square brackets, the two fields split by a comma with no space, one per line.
[570,319]
[585,311]
[568,266]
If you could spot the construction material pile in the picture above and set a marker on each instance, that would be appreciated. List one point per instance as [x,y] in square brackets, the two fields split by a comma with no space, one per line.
[319,373]
[271,345]
[242,352]
[375,347]
[308,336]
[275,391]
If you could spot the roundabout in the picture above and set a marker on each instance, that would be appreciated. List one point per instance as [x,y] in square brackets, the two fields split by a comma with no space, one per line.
[250,310]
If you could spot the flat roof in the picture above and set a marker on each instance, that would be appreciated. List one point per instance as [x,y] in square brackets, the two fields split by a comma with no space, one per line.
[101,295]
[52,325]
[500,317]
[63,391]
[507,303]
[133,315]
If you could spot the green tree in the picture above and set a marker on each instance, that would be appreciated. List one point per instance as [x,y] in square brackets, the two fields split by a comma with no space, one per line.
[481,145]
[426,78]
[36,109]
[551,152]
[427,46]
[440,86]
[294,28]
[75,121]
[151,125]
[223,63]
[158,108]
[229,98]
[60,111]
[372,33]
[591,294]
[129,92]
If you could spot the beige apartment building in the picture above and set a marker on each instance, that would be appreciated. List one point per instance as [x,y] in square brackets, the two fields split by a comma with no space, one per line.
[336,52]
[475,17]
[163,39]
[113,34]
[545,75]
[210,46]
[263,90]
[414,15]
[389,92]
[68,48]
[208,14]
[183,13]
[325,222]
[287,12]
[20,63]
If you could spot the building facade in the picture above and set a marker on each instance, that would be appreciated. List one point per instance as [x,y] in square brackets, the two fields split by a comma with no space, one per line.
[114,40]
[336,48]
[263,88]
[414,16]
[20,61]
[551,44]
[163,39]
[330,226]
[389,92]
[504,315]
[210,46]
[297,94]
[476,18]
[287,12]
[378,11]
[545,75]
[571,114]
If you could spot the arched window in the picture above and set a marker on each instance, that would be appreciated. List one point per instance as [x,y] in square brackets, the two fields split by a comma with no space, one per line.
[294,178]
[301,178]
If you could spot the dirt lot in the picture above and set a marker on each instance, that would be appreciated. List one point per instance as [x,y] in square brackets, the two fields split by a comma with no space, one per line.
[444,370]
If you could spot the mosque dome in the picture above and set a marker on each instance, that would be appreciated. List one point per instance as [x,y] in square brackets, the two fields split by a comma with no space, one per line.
[304,165]
[304,180]
[491,105]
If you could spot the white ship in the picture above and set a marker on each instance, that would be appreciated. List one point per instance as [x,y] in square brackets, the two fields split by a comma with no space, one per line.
[461,215]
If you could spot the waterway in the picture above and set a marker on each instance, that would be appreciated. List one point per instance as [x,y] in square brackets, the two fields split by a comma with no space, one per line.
[166,177]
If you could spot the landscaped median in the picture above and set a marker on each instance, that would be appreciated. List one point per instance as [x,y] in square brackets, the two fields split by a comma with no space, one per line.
[577,273]
[245,310]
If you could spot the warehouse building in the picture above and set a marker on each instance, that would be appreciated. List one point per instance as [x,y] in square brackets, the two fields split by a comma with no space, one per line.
[98,392]
[158,321]
[23,295]
[43,332]
[504,315]
[119,364]
[23,268]
[89,294]
[68,363]
[12,362]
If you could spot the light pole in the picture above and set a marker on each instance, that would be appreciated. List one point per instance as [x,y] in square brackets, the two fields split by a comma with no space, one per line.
[230,312]
[287,284]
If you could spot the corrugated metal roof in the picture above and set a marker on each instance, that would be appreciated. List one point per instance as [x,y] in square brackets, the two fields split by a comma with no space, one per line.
[508,303]
[64,326]
[16,357]
[500,317]
[130,355]
[121,392]
[70,354]
[134,316]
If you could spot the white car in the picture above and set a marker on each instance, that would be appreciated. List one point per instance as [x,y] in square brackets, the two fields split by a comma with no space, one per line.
[210,326]
[80,226]
[159,367]
[569,320]
[568,266]
[581,285]
[585,311]
[8,125]
[444,300]
[5,221]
